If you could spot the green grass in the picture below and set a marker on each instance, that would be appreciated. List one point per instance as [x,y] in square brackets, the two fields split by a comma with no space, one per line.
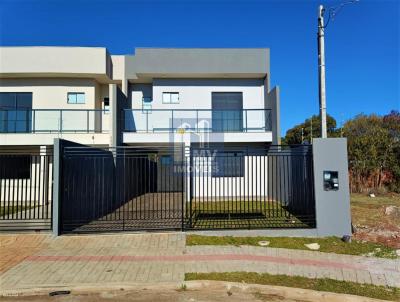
[368,211]
[328,285]
[273,215]
[328,244]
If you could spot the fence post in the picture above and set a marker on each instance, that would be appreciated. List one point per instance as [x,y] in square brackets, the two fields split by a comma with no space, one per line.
[57,187]
[332,206]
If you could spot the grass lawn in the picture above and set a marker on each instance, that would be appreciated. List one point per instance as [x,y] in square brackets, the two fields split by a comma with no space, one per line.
[245,214]
[328,285]
[372,223]
[367,211]
[328,244]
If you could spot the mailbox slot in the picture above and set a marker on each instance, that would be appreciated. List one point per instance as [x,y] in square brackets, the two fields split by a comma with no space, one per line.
[331,180]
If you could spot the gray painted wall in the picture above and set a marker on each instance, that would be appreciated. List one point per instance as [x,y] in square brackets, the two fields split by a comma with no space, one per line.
[272,101]
[197,61]
[332,207]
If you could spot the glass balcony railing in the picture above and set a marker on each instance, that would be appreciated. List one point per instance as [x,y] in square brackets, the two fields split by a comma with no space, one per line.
[53,120]
[196,120]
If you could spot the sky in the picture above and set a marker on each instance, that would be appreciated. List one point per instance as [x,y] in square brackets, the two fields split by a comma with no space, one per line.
[362,42]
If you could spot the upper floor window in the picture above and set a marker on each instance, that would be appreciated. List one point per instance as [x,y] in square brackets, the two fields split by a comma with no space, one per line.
[170,98]
[76,98]
[15,112]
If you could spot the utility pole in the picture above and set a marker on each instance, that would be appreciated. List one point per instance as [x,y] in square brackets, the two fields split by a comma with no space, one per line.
[321,71]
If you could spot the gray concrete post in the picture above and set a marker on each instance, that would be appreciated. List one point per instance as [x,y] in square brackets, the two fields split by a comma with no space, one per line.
[114,114]
[57,187]
[332,207]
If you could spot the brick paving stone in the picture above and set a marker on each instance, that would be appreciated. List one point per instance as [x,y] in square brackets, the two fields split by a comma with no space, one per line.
[38,260]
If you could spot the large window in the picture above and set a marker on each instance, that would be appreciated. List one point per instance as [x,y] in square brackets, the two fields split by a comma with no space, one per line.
[227,112]
[76,98]
[170,98]
[15,167]
[15,112]
[228,164]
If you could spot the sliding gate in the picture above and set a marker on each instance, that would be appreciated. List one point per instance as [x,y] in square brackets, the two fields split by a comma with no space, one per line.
[161,188]
[121,189]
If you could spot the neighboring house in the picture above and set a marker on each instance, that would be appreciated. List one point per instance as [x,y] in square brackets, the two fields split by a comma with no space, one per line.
[67,92]
[156,96]
[119,115]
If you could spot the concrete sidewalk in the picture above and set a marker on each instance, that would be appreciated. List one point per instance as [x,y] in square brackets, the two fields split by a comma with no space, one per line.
[34,261]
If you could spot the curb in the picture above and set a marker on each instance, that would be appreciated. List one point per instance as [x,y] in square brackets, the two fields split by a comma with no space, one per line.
[287,292]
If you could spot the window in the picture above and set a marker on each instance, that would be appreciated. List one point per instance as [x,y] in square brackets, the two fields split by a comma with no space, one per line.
[15,167]
[146,104]
[106,105]
[228,164]
[166,160]
[15,112]
[227,111]
[76,98]
[170,98]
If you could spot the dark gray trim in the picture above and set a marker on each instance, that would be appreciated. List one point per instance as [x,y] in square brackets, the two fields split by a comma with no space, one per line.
[218,61]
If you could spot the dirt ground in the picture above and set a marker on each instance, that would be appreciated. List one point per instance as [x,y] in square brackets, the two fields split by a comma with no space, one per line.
[200,291]
[377,219]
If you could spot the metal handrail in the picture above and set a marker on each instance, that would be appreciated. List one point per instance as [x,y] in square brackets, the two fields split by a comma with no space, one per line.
[238,123]
[11,121]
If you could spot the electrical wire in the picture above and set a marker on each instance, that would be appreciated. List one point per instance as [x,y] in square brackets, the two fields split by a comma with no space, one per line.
[334,10]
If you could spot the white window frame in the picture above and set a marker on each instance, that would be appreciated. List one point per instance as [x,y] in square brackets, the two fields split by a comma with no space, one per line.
[76,98]
[167,97]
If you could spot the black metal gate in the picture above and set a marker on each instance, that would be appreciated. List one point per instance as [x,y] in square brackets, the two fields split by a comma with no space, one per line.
[121,189]
[242,187]
[26,188]
[164,187]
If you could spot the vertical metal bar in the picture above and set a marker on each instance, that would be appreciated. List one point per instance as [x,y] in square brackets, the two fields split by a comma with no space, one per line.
[246,120]
[34,121]
[197,120]
[147,121]
[87,121]
[172,120]
[61,120]
[2,189]
[25,196]
[51,161]
[183,170]
[9,195]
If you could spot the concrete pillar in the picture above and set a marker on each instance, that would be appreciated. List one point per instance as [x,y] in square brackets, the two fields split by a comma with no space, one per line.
[272,102]
[57,187]
[113,114]
[332,206]
[125,87]
[43,177]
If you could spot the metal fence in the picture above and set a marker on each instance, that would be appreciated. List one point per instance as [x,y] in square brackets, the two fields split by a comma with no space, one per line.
[163,187]
[251,187]
[120,189]
[196,120]
[26,178]
[54,120]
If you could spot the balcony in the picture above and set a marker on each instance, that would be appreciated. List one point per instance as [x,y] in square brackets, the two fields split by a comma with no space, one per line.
[196,120]
[53,121]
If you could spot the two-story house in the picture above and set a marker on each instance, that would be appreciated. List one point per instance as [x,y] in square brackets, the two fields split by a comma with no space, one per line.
[194,98]
[217,95]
